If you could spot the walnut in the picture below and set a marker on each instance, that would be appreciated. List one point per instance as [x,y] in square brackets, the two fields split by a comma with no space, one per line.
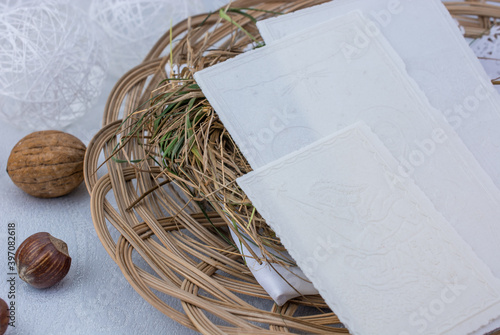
[47,164]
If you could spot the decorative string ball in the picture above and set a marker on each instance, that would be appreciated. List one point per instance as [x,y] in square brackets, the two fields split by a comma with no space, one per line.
[487,49]
[132,27]
[51,62]
[9,4]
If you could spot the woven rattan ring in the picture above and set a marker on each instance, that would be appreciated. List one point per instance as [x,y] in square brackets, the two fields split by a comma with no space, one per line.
[172,208]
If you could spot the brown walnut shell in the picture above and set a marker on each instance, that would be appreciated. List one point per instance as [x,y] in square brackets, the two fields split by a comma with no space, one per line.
[47,164]
[4,316]
[42,260]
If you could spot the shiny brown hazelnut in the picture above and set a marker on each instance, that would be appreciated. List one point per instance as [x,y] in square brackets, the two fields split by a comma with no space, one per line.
[4,316]
[42,260]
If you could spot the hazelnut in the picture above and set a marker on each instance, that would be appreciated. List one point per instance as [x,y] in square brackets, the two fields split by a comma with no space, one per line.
[47,164]
[42,260]
[4,316]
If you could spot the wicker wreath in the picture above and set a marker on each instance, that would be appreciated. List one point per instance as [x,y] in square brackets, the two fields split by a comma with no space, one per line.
[167,185]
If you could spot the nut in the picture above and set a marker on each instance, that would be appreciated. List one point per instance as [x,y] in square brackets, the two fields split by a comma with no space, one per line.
[47,164]
[42,260]
[4,316]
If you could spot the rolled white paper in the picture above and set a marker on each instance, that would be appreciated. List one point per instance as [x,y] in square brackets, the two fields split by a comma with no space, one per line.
[282,284]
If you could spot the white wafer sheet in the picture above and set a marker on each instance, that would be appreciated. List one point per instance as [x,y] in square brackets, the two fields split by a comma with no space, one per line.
[271,108]
[384,259]
[437,57]
[277,99]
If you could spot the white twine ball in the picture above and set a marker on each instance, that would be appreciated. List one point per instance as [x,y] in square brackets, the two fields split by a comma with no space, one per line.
[52,65]
[132,27]
[9,4]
